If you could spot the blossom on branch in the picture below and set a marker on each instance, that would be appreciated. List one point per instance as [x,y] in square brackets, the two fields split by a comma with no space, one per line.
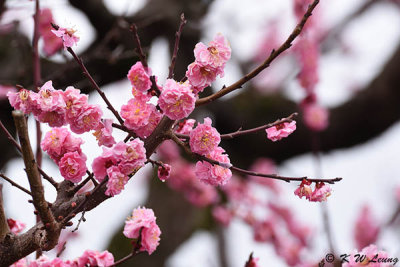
[143,222]
[139,77]
[103,133]
[116,181]
[176,100]
[67,35]
[73,166]
[15,226]
[204,138]
[280,131]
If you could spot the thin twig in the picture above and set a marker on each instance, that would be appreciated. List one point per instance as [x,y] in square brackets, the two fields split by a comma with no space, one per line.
[34,179]
[23,189]
[274,54]
[48,178]
[135,250]
[138,48]
[246,172]
[176,46]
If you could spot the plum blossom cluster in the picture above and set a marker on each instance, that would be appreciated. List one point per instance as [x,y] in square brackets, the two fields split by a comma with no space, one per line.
[117,163]
[209,62]
[59,108]
[88,258]
[320,193]
[65,150]
[142,226]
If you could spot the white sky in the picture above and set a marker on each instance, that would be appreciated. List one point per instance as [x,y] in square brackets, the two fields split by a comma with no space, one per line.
[370,170]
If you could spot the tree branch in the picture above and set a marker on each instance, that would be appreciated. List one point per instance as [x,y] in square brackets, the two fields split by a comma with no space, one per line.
[176,46]
[23,189]
[4,229]
[274,54]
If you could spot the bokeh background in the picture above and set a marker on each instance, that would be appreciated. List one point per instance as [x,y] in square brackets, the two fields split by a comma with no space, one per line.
[359,83]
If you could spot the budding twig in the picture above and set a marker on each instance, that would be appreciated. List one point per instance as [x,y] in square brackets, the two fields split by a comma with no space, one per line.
[176,46]
[138,48]
[274,54]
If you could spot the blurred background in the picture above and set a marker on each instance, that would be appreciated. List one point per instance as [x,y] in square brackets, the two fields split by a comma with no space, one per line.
[355,60]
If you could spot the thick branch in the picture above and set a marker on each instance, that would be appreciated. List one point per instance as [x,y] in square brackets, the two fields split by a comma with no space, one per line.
[35,181]
[4,229]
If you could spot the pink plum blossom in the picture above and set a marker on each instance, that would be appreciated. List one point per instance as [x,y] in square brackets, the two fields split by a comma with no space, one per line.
[136,113]
[59,141]
[15,226]
[51,43]
[214,174]
[176,100]
[280,131]
[316,117]
[106,160]
[216,54]
[75,101]
[116,181]
[73,166]
[44,261]
[304,190]
[150,238]
[140,77]
[164,172]
[366,229]
[186,127]
[21,100]
[264,231]
[146,130]
[103,133]
[307,55]
[95,258]
[204,138]
[133,155]
[88,119]
[321,192]
[143,221]
[21,263]
[168,150]
[200,76]
[67,35]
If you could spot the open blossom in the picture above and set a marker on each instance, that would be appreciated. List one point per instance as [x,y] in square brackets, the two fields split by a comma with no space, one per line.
[95,258]
[152,123]
[316,117]
[136,113]
[74,101]
[216,54]
[5,89]
[371,259]
[366,229]
[214,174]
[21,100]
[280,131]
[21,263]
[140,77]
[106,160]
[204,138]
[59,141]
[103,133]
[143,221]
[116,181]
[321,192]
[176,100]
[73,166]
[15,226]
[44,261]
[164,172]
[304,190]
[133,155]
[200,76]
[67,35]
[88,119]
